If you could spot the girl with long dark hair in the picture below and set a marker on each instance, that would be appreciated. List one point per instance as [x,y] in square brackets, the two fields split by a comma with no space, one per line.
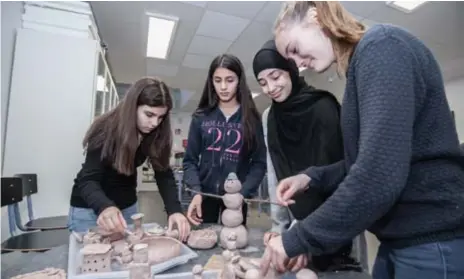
[225,136]
[116,143]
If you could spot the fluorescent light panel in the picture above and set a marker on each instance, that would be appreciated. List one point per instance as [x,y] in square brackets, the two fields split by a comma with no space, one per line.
[160,33]
[405,6]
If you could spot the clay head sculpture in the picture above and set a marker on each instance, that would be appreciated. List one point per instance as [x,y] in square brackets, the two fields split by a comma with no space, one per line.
[232,185]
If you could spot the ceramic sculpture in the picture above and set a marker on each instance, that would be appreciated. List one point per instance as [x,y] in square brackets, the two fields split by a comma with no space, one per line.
[96,258]
[232,216]
[202,239]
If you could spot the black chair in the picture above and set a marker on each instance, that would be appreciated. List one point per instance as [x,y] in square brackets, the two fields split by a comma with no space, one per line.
[38,241]
[29,182]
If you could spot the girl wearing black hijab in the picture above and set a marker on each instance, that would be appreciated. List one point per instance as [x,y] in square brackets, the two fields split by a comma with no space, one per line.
[301,129]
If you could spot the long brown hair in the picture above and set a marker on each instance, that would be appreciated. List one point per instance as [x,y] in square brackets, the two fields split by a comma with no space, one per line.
[116,132]
[209,99]
[343,29]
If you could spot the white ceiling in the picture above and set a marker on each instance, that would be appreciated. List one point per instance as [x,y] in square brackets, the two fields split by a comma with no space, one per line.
[206,29]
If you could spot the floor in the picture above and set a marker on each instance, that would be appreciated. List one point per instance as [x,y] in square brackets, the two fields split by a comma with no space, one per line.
[151,204]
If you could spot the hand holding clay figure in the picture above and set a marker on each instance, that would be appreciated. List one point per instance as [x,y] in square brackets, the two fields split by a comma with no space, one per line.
[274,254]
[194,214]
[183,226]
[111,220]
[289,186]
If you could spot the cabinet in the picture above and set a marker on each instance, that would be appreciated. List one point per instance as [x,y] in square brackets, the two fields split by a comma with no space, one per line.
[60,82]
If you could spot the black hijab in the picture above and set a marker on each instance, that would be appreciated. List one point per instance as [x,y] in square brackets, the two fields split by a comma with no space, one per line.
[295,137]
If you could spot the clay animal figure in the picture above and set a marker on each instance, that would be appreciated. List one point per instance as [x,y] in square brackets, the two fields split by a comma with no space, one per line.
[47,273]
[232,216]
[96,258]
[202,239]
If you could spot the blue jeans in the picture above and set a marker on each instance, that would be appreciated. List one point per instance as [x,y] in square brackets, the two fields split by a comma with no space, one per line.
[83,219]
[437,260]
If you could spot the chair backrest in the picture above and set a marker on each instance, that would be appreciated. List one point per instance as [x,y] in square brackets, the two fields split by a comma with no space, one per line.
[29,182]
[12,190]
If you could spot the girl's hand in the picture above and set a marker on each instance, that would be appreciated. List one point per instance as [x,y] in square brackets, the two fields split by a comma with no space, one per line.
[183,226]
[111,220]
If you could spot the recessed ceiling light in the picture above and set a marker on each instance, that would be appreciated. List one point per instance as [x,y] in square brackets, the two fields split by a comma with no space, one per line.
[254,94]
[301,69]
[405,6]
[161,31]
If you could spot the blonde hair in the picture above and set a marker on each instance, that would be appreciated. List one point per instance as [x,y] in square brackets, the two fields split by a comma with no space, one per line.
[338,24]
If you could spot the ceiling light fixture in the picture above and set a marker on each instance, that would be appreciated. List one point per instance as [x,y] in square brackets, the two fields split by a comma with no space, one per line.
[161,31]
[254,94]
[405,6]
[301,69]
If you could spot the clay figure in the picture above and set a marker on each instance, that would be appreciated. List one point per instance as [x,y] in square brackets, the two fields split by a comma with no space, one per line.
[138,232]
[138,221]
[47,273]
[197,270]
[232,217]
[96,258]
[202,239]
[240,231]
[91,238]
[229,270]
[139,271]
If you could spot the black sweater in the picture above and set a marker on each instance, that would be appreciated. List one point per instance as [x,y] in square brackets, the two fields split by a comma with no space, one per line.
[403,173]
[98,185]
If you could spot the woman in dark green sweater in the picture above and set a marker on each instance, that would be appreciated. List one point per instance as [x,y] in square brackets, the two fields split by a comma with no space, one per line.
[402,177]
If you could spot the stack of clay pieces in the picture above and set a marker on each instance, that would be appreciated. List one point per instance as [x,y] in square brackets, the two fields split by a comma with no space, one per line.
[232,217]
[140,268]
[47,273]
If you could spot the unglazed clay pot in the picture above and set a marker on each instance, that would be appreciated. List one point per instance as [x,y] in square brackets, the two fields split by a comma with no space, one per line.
[232,201]
[232,218]
[162,248]
[240,231]
[202,239]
